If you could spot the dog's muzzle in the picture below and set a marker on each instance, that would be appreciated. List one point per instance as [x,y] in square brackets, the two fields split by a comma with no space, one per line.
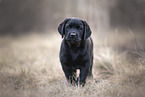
[73,39]
[73,35]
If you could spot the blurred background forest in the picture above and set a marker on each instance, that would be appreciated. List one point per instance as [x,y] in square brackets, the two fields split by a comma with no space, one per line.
[25,16]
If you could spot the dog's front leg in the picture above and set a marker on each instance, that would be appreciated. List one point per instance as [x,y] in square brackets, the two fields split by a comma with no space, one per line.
[83,74]
[69,73]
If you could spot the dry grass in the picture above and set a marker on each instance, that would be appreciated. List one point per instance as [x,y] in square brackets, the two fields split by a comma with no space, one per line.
[30,67]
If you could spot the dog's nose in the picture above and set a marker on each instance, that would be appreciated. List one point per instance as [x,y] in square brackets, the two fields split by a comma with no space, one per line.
[72,35]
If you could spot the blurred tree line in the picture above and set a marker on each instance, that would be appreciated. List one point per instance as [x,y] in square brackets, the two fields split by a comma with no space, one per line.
[24,16]
[128,14]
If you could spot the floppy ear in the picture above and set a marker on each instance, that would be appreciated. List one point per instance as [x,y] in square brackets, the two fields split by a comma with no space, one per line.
[87,30]
[61,27]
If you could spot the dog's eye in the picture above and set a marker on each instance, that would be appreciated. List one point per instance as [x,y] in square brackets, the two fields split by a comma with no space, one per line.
[80,28]
[69,26]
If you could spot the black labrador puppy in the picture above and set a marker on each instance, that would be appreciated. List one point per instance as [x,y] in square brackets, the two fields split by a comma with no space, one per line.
[76,50]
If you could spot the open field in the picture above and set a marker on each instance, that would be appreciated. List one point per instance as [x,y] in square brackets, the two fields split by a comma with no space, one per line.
[30,67]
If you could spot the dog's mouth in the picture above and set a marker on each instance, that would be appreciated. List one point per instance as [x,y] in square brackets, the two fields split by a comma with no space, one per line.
[74,42]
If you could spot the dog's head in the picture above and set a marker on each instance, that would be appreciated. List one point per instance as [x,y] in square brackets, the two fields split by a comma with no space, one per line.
[75,30]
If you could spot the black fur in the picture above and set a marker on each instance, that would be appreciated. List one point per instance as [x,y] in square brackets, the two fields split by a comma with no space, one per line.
[76,50]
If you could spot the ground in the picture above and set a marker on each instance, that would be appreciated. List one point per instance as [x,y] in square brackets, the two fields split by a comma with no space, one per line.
[30,67]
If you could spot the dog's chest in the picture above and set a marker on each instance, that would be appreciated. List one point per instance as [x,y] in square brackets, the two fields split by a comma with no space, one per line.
[72,59]
[74,54]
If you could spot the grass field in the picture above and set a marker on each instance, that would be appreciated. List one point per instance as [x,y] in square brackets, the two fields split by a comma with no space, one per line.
[30,67]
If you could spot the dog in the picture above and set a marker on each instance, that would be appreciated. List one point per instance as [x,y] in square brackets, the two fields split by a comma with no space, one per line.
[76,50]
